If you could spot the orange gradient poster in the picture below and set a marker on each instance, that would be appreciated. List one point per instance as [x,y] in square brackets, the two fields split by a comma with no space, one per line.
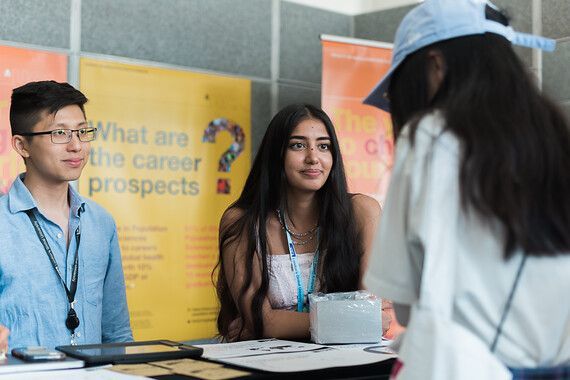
[351,68]
[172,152]
[17,67]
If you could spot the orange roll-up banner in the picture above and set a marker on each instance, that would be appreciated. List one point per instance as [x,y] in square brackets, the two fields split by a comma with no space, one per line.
[19,66]
[351,68]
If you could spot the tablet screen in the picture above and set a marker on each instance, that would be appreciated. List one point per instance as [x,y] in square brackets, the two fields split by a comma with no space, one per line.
[127,350]
[131,352]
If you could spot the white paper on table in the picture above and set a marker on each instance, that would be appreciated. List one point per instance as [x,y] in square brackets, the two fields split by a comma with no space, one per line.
[285,356]
[255,348]
[384,347]
[75,374]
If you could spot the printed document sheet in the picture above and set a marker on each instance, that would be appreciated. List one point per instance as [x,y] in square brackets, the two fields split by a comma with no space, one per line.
[275,355]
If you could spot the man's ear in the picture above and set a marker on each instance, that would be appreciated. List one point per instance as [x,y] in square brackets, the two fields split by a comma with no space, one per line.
[20,145]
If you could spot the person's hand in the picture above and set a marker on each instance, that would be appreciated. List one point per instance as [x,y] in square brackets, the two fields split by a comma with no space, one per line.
[236,331]
[386,321]
[4,332]
[387,311]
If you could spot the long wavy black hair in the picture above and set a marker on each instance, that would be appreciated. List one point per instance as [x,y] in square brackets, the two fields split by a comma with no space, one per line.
[265,191]
[515,164]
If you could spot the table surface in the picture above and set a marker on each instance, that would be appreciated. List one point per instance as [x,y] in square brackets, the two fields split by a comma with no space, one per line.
[379,370]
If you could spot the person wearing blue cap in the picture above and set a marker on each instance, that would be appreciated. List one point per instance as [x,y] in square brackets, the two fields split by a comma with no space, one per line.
[479,194]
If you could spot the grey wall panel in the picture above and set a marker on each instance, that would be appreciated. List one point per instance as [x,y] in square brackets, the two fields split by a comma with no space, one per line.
[379,26]
[36,22]
[300,45]
[520,13]
[382,25]
[232,36]
[555,78]
[260,113]
[555,15]
[295,94]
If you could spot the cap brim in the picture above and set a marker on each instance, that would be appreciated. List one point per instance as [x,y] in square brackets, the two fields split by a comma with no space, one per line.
[378,96]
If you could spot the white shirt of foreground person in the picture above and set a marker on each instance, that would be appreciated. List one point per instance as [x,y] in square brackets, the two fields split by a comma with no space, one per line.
[537,328]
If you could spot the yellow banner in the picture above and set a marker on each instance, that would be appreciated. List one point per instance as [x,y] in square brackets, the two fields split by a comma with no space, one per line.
[17,67]
[172,152]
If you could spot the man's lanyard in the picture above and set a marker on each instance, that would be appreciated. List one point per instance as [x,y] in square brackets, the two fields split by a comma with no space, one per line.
[297,270]
[72,321]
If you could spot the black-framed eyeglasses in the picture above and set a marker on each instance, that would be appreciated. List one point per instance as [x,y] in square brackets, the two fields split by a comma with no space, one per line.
[63,136]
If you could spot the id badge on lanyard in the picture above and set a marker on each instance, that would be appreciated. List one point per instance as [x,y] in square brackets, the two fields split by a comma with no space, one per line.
[72,321]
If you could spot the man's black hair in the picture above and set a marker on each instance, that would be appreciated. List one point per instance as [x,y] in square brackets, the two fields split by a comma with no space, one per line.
[32,100]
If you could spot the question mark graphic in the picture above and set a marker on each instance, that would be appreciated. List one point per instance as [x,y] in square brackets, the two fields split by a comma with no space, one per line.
[231,154]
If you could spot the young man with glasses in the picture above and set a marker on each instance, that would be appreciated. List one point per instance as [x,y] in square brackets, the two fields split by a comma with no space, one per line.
[61,277]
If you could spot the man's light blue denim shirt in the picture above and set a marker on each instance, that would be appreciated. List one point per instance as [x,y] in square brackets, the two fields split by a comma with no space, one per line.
[33,302]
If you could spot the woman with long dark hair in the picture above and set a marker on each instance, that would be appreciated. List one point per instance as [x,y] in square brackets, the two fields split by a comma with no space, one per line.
[482,175]
[294,229]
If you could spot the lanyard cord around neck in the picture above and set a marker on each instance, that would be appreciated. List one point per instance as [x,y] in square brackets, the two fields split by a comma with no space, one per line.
[297,269]
[72,322]
[508,304]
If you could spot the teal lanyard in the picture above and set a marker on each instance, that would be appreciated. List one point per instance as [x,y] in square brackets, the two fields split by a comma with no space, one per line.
[297,270]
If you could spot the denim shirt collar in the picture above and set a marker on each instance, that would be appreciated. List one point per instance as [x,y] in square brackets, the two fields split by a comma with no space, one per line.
[20,198]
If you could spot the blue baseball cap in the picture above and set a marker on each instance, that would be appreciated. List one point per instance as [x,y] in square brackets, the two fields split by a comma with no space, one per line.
[439,20]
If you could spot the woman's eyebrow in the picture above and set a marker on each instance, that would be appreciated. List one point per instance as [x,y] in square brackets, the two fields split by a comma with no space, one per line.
[304,138]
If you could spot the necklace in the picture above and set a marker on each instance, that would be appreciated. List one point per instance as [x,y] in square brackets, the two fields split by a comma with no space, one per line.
[300,241]
[301,238]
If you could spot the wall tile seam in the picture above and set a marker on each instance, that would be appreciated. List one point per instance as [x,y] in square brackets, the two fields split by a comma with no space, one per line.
[25,45]
[170,66]
[299,83]
[536,28]
[275,57]
[74,43]
[133,61]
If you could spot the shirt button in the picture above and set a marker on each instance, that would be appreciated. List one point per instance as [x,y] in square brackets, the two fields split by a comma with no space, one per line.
[78,335]
[59,235]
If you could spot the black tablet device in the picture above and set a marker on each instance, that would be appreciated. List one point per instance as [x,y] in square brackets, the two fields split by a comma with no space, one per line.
[131,352]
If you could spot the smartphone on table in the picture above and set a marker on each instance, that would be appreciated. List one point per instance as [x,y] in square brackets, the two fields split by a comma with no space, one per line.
[37,354]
